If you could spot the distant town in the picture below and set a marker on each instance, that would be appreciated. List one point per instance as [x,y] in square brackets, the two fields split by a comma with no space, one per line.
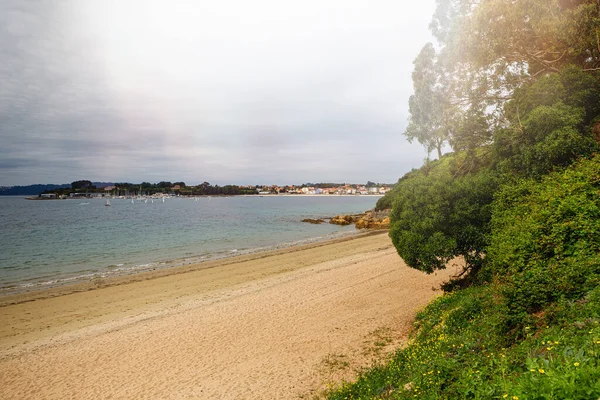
[86,188]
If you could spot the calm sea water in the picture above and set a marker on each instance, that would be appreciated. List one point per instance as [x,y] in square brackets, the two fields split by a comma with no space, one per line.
[48,243]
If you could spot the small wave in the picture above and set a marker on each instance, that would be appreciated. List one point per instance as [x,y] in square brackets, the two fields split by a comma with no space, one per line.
[120,269]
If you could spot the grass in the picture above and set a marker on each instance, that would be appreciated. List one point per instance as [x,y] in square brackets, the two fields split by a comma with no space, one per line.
[458,352]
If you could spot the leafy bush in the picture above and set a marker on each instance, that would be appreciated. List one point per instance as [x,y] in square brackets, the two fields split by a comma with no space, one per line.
[437,217]
[550,124]
[546,240]
[549,136]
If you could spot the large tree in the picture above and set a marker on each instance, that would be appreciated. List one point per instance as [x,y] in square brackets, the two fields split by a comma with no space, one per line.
[486,49]
[428,106]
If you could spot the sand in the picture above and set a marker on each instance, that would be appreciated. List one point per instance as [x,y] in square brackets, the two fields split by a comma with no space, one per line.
[280,325]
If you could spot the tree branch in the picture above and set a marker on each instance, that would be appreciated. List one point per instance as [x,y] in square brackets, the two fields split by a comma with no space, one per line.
[540,61]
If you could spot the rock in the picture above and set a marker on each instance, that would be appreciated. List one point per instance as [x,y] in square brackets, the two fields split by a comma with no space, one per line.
[313,221]
[362,224]
[371,223]
[340,220]
[362,221]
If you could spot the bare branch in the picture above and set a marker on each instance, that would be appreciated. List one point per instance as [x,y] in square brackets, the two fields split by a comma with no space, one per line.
[540,61]
[559,58]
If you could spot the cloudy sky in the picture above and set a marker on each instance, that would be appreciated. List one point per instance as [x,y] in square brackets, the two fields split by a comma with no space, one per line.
[228,91]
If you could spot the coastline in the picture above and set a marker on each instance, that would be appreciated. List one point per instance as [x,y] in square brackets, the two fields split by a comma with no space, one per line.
[179,266]
[261,325]
[109,277]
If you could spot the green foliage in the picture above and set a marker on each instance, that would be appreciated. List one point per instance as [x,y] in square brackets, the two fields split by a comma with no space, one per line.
[533,331]
[164,185]
[386,201]
[569,86]
[546,240]
[550,122]
[82,185]
[548,138]
[457,353]
[442,210]
[436,217]
[489,50]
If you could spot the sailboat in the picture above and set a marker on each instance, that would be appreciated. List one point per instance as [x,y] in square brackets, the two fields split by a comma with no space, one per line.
[107,203]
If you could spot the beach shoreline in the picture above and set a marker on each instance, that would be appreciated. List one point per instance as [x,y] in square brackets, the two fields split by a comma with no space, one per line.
[279,324]
[107,276]
[175,267]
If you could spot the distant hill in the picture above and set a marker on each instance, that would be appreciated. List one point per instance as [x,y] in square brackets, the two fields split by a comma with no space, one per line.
[34,190]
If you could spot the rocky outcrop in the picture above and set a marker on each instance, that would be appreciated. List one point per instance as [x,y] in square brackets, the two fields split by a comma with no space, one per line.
[373,220]
[313,221]
[367,220]
[341,220]
[373,223]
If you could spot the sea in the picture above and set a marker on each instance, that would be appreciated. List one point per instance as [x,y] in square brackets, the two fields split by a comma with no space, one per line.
[50,243]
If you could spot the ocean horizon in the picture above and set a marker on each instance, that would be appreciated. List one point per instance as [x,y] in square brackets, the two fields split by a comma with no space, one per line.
[59,242]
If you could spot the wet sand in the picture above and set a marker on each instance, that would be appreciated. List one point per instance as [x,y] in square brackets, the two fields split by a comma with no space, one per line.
[278,325]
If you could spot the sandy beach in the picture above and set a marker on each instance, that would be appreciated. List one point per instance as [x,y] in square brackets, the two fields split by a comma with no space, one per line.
[278,325]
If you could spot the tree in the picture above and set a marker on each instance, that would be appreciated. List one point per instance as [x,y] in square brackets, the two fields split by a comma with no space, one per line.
[487,50]
[436,217]
[538,36]
[549,123]
[84,184]
[428,105]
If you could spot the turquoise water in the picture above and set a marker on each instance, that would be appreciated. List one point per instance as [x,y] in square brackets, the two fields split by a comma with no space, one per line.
[48,243]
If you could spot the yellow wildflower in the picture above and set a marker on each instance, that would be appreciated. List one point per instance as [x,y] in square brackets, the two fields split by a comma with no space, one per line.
[576,364]
[541,371]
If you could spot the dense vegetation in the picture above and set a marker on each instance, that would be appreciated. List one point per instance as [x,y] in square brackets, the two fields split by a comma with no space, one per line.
[529,329]
[513,88]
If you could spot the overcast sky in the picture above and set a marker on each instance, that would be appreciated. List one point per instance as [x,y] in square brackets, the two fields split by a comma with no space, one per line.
[228,91]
